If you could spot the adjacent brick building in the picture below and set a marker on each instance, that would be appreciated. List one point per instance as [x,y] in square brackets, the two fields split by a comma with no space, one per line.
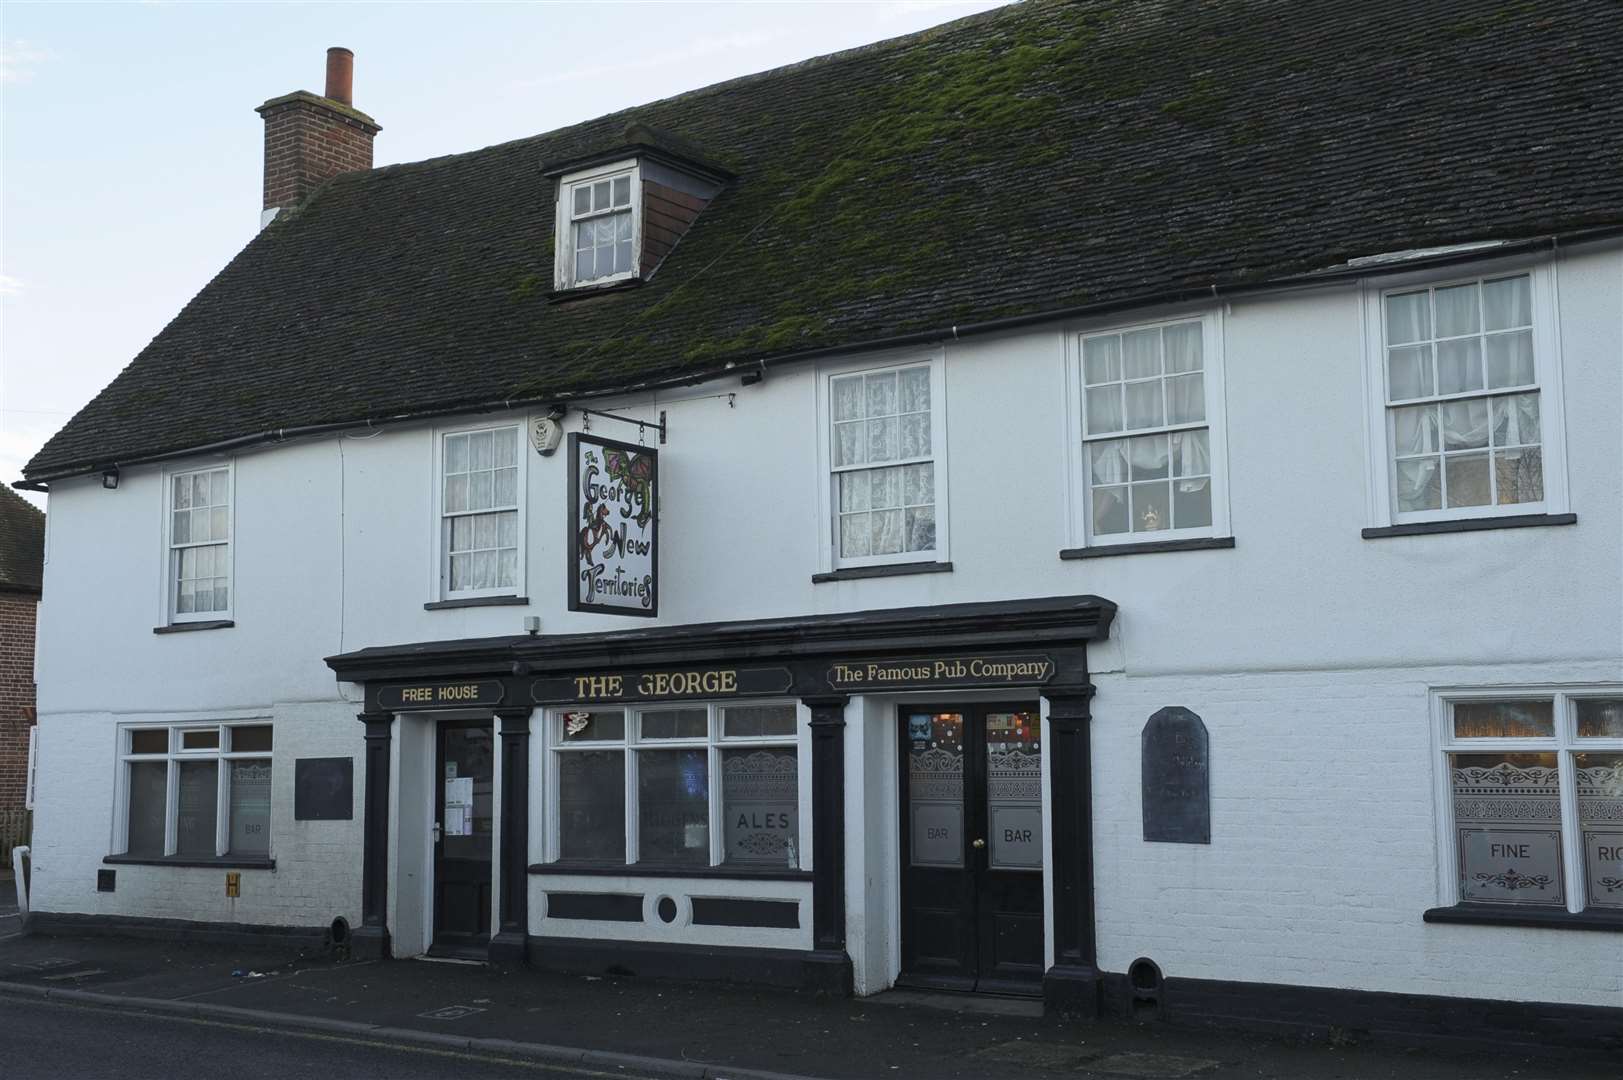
[22,552]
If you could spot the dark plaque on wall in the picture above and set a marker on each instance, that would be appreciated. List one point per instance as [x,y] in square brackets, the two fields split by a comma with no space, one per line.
[324,789]
[1177,775]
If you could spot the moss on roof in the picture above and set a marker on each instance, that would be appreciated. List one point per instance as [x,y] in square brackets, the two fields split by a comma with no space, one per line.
[1042,156]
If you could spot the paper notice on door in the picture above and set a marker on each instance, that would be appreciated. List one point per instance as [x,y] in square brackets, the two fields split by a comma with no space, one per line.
[459,806]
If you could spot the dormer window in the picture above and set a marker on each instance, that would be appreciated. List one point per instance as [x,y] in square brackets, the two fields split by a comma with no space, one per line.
[598,233]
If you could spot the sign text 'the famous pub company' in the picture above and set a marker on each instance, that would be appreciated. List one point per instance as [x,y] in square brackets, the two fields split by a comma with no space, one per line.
[614,527]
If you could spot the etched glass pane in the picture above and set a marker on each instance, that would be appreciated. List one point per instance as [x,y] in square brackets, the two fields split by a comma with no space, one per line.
[754,721]
[675,723]
[673,807]
[1600,718]
[592,805]
[1600,819]
[1507,818]
[1014,795]
[148,786]
[1504,720]
[580,727]
[760,803]
[250,807]
[935,788]
[197,808]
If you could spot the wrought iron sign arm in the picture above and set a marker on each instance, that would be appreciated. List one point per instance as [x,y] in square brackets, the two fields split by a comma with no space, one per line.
[642,425]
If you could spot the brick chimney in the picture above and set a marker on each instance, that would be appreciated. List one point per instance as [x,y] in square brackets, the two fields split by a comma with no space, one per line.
[310,139]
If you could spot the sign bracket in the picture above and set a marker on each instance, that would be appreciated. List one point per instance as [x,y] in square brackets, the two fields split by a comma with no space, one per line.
[642,425]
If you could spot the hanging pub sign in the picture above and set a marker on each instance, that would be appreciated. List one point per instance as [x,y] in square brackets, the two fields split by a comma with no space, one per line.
[614,527]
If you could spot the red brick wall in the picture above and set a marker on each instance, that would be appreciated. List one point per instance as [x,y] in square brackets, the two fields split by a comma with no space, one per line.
[306,144]
[16,711]
[666,215]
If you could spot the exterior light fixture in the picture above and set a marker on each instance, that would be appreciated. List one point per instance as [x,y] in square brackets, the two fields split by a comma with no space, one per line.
[532,624]
[109,478]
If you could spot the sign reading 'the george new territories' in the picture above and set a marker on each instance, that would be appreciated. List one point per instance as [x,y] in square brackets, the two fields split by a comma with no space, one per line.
[651,684]
[614,527]
[932,673]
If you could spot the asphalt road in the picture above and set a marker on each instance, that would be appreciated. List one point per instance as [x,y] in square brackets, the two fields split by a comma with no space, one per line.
[57,1041]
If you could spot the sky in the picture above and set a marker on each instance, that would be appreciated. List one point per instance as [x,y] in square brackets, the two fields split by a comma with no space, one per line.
[130,155]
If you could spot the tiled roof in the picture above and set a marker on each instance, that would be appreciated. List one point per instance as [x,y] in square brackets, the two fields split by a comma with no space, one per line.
[22,543]
[1042,157]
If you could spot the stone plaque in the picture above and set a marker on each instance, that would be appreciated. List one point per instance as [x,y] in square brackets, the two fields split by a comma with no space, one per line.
[1176,779]
[324,789]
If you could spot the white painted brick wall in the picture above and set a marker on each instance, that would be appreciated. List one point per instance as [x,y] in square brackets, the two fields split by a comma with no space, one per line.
[1324,842]
[318,870]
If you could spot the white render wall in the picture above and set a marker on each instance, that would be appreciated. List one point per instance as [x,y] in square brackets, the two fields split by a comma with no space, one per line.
[1307,649]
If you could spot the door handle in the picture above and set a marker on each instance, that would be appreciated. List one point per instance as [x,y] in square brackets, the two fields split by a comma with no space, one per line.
[434,833]
[977,844]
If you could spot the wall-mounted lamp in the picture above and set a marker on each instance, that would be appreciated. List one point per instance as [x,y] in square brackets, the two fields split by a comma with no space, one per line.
[109,478]
[532,625]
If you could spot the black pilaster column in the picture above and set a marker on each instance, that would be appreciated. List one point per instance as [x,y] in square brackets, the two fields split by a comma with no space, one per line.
[828,968]
[507,945]
[1071,986]
[371,939]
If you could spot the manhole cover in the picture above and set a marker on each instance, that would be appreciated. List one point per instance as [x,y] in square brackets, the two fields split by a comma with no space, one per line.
[1152,1066]
[449,1012]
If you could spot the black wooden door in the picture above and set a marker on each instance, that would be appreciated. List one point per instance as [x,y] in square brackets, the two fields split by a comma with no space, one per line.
[463,851]
[971,811]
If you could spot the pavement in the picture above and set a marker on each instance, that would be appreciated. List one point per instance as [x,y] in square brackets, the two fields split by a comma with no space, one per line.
[88,1006]
[10,921]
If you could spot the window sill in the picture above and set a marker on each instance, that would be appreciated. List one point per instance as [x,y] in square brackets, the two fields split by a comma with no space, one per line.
[581,292]
[1508,915]
[224,862]
[188,627]
[1519,521]
[477,601]
[857,573]
[1148,547]
[735,873]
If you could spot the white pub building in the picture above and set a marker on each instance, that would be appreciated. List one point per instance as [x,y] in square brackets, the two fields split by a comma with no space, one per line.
[1048,506]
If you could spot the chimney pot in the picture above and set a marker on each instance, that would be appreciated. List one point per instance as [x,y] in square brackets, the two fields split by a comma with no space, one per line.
[340,75]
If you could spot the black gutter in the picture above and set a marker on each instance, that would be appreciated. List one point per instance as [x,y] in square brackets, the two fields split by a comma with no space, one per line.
[1549,242]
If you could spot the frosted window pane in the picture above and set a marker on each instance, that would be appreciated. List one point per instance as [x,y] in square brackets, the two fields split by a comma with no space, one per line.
[250,808]
[1457,310]
[1507,816]
[1186,399]
[1104,409]
[1141,354]
[1144,405]
[1459,366]
[1409,372]
[1408,318]
[1101,359]
[760,800]
[1507,303]
[1510,359]
[1600,817]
